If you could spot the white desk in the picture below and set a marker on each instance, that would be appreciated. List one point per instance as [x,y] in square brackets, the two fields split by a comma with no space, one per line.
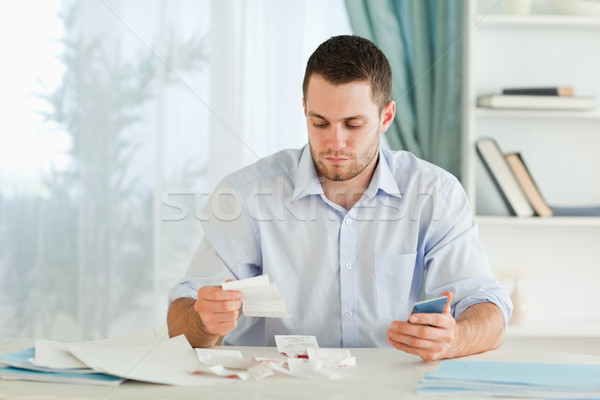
[379,374]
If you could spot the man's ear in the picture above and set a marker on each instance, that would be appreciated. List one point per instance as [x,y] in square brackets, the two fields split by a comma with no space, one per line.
[304,106]
[389,111]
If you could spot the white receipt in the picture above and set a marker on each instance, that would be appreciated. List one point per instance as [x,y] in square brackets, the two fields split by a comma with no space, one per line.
[230,359]
[260,298]
[332,357]
[307,368]
[257,281]
[295,345]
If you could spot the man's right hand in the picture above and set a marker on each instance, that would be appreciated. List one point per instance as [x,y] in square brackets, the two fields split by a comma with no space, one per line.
[218,309]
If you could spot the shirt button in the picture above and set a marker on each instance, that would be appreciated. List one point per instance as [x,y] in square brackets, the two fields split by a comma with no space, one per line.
[348,314]
[348,266]
[348,221]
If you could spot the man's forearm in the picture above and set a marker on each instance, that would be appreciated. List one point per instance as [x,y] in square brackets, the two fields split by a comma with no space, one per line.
[480,328]
[182,319]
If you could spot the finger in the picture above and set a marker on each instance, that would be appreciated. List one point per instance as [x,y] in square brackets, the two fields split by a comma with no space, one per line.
[448,307]
[438,320]
[219,323]
[419,335]
[220,328]
[217,306]
[216,293]
[400,330]
[408,329]
[429,354]
[409,340]
[220,317]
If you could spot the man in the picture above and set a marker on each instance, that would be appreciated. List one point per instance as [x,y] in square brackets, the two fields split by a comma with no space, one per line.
[351,233]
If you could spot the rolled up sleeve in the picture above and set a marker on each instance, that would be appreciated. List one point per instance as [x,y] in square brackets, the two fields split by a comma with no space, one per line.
[456,260]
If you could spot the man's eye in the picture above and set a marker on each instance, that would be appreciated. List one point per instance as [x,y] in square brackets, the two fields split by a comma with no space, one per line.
[320,126]
[353,126]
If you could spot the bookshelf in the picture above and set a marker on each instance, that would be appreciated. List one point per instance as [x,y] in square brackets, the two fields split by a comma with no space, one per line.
[561,149]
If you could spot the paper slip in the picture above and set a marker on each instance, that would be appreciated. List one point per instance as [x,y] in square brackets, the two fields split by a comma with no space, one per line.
[231,364]
[304,368]
[261,371]
[257,281]
[261,298]
[332,357]
[231,359]
[295,345]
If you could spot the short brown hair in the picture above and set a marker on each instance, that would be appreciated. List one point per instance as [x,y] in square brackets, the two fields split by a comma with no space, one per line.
[347,58]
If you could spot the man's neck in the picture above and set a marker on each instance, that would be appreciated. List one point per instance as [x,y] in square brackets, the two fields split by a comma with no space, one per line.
[348,193]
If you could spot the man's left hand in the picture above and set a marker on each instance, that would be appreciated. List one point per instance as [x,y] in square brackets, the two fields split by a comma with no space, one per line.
[428,336]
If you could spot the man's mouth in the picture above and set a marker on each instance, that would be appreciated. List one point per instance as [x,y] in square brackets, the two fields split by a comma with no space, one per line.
[336,160]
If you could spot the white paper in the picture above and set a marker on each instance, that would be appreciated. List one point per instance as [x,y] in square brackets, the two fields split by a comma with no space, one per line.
[54,354]
[231,363]
[349,362]
[264,301]
[220,370]
[306,368]
[260,298]
[295,345]
[231,359]
[168,362]
[332,357]
[257,281]
[205,354]
[300,366]
[261,371]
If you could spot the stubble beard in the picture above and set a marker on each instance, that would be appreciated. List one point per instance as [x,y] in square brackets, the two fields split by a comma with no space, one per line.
[335,173]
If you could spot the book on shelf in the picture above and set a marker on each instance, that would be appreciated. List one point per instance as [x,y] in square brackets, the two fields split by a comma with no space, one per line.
[540,91]
[521,172]
[530,102]
[503,177]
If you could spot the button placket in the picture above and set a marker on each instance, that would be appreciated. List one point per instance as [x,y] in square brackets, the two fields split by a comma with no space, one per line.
[348,288]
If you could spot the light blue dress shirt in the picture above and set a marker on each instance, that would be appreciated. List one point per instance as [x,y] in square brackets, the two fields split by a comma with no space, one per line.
[345,275]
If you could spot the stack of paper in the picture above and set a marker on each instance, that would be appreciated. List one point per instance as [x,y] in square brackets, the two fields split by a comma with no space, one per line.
[511,379]
[148,356]
[19,365]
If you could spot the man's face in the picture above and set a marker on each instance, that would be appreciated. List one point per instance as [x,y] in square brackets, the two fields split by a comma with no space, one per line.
[343,126]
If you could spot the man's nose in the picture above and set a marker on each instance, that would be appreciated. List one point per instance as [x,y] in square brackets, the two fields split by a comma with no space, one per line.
[337,139]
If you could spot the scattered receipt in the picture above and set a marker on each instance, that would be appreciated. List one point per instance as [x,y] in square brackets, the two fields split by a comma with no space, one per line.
[303,359]
[261,298]
[295,345]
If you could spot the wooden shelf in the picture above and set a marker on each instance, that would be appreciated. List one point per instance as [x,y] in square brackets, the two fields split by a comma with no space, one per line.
[575,222]
[549,20]
[555,329]
[579,115]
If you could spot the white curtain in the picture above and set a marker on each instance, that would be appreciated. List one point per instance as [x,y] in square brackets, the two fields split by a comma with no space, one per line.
[118,119]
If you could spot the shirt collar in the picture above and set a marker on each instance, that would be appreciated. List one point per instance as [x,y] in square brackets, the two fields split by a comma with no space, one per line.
[307,180]
[383,179]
